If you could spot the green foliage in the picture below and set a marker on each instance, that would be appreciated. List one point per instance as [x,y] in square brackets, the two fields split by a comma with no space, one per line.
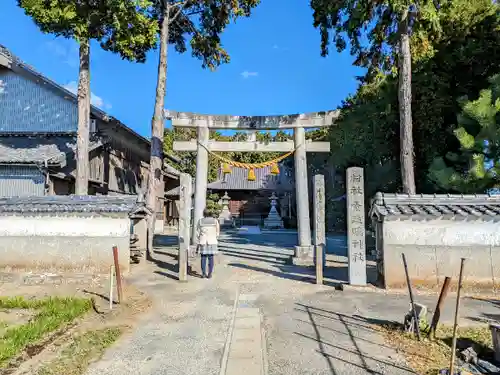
[50,315]
[213,205]
[199,23]
[367,133]
[121,26]
[371,28]
[478,132]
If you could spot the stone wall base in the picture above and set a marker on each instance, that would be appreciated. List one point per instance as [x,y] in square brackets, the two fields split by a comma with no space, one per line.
[304,256]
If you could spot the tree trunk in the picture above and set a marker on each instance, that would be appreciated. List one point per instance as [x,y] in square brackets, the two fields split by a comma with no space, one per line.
[157,129]
[82,137]
[404,98]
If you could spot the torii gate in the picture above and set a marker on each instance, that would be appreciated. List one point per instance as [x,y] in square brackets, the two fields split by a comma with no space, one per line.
[297,122]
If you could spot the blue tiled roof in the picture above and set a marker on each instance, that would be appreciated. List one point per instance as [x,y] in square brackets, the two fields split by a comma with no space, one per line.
[238,180]
[38,149]
[71,203]
[438,205]
[95,111]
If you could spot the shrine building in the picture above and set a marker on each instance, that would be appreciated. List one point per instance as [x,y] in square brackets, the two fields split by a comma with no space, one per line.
[250,200]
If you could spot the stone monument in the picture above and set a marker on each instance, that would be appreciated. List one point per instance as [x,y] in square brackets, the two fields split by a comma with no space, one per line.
[356,226]
[185,193]
[273,220]
[225,217]
[319,238]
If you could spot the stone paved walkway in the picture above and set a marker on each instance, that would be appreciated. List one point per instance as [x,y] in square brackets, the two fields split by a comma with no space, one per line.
[259,315]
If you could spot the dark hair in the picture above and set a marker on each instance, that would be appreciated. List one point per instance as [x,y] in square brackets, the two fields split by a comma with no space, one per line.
[208,213]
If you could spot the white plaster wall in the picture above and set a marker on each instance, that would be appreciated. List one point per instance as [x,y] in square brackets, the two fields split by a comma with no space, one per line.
[64,226]
[442,232]
[64,242]
[159,225]
[434,249]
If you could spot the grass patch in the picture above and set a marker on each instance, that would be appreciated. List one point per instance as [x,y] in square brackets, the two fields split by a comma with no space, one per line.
[85,348]
[428,357]
[51,314]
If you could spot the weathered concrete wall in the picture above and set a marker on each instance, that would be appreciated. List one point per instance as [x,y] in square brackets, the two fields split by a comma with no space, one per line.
[159,226]
[433,250]
[140,228]
[64,242]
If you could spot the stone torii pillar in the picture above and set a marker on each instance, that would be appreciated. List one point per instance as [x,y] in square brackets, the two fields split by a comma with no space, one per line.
[201,179]
[298,122]
[304,250]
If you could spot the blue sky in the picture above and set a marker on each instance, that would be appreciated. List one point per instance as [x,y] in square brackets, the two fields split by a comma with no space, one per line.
[275,68]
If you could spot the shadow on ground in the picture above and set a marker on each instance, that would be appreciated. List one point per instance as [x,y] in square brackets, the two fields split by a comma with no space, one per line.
[265,253]
[166,246]
[347,340]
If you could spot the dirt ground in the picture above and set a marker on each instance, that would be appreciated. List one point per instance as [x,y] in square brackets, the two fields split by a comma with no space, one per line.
[37,358]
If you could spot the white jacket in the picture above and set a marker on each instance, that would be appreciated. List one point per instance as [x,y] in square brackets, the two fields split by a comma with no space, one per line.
[208,231]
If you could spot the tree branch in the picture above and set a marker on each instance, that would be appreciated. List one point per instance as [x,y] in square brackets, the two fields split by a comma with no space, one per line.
[181,5]
[193,13]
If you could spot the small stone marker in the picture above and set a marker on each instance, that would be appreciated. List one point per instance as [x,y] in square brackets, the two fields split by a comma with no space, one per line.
[319,225]
[356,226]
[184,224]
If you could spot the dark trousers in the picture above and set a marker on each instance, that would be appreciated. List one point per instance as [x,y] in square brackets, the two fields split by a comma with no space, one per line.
[204,258]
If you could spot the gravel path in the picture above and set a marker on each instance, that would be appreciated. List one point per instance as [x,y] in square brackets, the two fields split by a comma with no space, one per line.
[306,329]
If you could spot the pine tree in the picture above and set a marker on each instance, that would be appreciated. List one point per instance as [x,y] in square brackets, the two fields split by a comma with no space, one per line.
[476,167]
[213,205]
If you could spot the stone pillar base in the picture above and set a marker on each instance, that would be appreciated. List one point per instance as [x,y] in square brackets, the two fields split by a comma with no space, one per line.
[304,256]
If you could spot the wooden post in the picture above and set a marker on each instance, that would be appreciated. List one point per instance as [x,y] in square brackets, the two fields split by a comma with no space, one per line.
[455,324]
[439,307]
[319,225]
[184,224]
[412,301]
[111,276]
[118,274]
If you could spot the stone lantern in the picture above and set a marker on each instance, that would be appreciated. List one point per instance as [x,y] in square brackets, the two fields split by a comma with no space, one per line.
[273,220]
[225,217]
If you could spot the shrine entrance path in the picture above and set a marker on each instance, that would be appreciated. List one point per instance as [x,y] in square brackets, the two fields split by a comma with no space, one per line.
[255,317]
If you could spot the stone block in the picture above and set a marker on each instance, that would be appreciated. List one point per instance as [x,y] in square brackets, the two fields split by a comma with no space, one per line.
[247,335]
[244,367]
[247,323]
[304,256]
[244,349]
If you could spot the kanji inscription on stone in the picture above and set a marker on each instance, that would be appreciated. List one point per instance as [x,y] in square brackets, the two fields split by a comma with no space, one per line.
[356,226]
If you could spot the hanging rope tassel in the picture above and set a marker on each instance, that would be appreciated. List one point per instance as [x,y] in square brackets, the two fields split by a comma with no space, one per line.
[275,169]
[226,169]
[251,175]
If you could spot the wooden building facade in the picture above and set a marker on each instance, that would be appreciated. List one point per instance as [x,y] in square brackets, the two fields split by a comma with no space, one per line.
[38,125]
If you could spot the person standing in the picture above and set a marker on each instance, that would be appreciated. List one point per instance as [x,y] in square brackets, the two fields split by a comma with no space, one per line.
[208,231]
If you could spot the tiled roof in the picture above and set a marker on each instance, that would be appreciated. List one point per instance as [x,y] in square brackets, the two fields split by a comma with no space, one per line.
[95,111]
[38,149]
[71,203]
[170,170]
[238,180]
[439,205]
[15,62]
[176,191]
